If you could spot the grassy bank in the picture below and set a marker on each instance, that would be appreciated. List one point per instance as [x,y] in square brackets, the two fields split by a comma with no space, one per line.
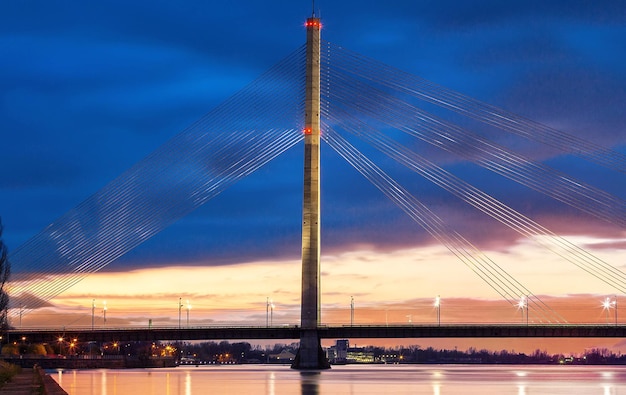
[7,372]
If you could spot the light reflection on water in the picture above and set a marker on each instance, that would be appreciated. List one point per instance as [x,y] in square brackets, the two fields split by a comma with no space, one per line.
[271,390]
[350,379]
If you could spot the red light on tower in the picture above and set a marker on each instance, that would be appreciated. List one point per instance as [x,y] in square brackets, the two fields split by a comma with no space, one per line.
[313,22]
[308,131]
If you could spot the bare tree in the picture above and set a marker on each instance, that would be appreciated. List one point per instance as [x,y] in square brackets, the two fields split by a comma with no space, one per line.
[5,273]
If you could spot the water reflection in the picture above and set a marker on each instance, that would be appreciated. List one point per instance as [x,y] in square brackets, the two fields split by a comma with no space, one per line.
[350,379]
[188,383]
[103,382]
[606,375]
[59,377]
[436,377]
[271,390]
[309,383]
[520,373]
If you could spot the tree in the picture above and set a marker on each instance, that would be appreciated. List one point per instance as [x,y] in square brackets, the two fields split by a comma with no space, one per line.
[5,272]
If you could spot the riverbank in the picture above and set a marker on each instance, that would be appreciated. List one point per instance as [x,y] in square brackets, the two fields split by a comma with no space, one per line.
[91,362]
[33,381]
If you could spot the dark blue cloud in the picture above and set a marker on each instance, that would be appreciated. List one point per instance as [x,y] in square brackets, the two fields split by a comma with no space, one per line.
[89,89]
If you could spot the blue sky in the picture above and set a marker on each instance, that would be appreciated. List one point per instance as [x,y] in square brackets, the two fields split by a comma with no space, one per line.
[87,90]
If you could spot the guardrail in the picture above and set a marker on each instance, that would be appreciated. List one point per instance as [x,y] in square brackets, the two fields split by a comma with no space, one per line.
[87,328]
[326,331]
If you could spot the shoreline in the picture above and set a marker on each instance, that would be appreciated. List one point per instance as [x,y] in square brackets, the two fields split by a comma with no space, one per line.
[91,363]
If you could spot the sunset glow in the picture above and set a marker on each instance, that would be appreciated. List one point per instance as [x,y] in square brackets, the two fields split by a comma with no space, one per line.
[153,172]
[387,288]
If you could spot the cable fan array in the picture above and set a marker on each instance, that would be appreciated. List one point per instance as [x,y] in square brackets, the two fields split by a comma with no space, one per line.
[415,86]
[363,92]
[356,89]
[488,271]
[235,139]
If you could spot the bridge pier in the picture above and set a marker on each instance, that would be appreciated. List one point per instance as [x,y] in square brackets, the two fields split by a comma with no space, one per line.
[310,354]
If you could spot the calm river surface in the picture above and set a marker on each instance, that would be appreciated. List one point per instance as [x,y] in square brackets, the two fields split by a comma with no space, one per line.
[350,379]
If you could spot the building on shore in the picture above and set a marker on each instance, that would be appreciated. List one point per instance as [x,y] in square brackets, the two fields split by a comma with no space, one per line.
[284,356]
[341,353]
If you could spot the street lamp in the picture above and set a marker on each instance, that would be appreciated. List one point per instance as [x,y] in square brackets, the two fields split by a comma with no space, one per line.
[180,306]
[188,308]
[60,346]
[271,313]
[351,310]
[607,304]
[267,311]
[93,311]
[438,307]
[523,304]
[104,312]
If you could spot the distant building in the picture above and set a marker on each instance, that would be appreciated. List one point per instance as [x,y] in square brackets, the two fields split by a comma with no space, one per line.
[341,350]
[341,353]
[359,355]
[284,357]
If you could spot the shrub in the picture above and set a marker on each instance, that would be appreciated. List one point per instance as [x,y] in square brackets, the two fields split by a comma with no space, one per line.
[7,371]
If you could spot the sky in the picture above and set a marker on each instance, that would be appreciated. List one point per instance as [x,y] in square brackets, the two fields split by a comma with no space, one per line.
[87,90]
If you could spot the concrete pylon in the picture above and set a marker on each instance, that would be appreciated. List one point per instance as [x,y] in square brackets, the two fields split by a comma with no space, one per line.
[310,355]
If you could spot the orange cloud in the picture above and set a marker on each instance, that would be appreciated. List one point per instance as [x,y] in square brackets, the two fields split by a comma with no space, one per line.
[396,287]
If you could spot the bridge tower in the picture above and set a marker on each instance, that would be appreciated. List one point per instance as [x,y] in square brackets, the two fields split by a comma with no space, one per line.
[310,355]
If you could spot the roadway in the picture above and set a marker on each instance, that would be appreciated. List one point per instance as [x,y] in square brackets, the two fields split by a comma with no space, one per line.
[41,335]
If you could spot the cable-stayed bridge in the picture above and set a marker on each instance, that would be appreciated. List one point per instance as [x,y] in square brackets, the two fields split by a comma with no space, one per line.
[348,100]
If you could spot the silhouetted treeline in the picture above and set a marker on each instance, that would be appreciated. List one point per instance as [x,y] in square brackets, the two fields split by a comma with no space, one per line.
[226,352]
[243,352]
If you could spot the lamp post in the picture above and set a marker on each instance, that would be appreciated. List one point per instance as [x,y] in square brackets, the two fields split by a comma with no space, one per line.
[271,313]
[104,313]
[93,311]
[267,311]
[188,308]
[60,346]
[351,310]
[180,306]
[607,304]
[438,307]
[72,345]
[523,304]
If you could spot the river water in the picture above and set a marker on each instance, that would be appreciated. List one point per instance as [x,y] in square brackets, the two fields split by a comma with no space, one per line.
[348,379]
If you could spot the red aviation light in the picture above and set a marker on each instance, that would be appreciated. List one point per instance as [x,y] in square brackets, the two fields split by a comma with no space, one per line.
[314,22]
[308,130]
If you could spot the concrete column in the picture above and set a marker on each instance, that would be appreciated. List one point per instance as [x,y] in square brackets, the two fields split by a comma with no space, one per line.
[310,354]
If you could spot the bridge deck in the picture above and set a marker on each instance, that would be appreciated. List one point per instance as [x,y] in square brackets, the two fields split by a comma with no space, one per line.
[325,332]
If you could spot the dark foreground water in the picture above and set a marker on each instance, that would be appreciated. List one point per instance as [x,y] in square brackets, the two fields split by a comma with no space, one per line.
[350,379]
